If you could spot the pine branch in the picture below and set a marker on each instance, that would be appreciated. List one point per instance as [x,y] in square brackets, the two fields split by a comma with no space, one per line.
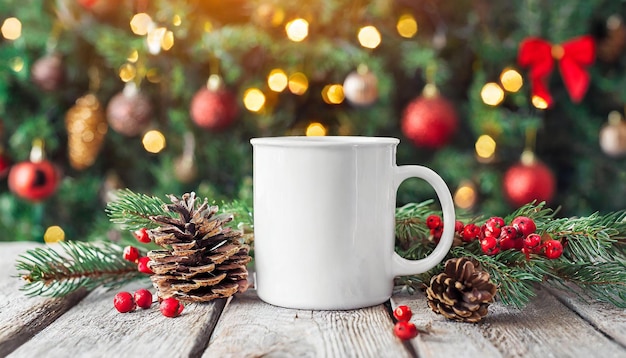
[132,211]
[48,272]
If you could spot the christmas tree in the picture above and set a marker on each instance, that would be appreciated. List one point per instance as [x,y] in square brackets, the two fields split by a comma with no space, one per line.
[508,101]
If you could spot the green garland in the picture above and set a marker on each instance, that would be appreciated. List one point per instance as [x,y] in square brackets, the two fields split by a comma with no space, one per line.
[594,257]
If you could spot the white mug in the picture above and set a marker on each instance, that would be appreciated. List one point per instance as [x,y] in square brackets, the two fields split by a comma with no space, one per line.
[324,221]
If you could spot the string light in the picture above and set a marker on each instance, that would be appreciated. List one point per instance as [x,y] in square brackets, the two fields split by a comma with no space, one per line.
[277,80]
[465,195]
[177,20]
[511,80]
[168,40]
[253,99]
[127,72]
[369,37]
[297,29]
[133,57]
[485,147]
[298,83]
[11,28]
[54,234]
[333,94]
[141,23]
[316,129]
[539,102]
[153,141]
[407,26]
[492,94]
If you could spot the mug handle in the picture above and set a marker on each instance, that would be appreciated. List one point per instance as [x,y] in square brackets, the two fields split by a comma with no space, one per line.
[401,266]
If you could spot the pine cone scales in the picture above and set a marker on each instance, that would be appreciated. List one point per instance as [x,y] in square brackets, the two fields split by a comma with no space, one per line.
[201,260]
[462,292]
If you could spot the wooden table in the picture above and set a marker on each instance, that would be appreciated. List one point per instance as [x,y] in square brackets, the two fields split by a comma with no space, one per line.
[86,325]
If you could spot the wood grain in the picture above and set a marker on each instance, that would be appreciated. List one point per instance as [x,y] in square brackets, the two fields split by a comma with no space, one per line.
[545,328]
[22,317]
[609,319]
[252,328]
[93,328]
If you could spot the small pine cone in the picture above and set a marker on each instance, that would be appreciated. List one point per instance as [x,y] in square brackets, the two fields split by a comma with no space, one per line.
[462,292]
[201,259]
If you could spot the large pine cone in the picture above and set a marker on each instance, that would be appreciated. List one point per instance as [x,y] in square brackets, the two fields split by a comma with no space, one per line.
[462,292]
[201,259]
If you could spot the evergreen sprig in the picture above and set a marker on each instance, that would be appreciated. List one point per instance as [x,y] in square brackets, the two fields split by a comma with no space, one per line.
[132,211]
[593,259]
[54,273]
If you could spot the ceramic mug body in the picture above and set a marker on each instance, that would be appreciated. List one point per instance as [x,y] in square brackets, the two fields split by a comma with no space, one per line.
[324,221]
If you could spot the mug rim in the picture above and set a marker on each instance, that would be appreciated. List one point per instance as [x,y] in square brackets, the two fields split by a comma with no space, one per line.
[323,140]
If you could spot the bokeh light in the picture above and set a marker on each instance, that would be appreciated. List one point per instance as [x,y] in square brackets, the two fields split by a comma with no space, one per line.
[277,80]
[153,141]
[369,37]
[492,94]
[511,80]
[315,129]
[298,83]
[297,29]
[253,99]
[539,102]
[11,28]
[141,23]
[333,94]
[485,147]
[127,72]
[54,234]
[465,196]
[17,64]
[407,26]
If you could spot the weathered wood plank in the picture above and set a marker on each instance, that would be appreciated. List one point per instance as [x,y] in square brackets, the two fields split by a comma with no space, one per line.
[605,317]
[252,328]
[545,328]
[440,337]
[22,317]
[93,328]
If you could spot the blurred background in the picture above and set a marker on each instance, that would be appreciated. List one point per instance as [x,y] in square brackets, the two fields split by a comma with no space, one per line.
[509,101]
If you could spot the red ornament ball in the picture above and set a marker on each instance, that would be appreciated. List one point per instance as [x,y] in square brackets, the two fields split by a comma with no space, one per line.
[34,181]
[129,113]
[5,165]
[429,121]
[361,87]
[524,183]
[48,72]
[213,110]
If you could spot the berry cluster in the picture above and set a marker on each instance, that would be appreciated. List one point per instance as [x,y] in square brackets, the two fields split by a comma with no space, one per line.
[132,253]
[495,236]
[124,302]
[404,329]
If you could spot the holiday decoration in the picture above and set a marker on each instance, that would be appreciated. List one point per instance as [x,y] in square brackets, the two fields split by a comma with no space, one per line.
[361,87]
[129,112]
[611,44]
[429,121]
[573,58]
[528,180]
[101,8]
[213,107]
[124,302]
[462,292]
[202,260]
[613,135]
[5,164]
[34,180]
[48,72]
[86,128]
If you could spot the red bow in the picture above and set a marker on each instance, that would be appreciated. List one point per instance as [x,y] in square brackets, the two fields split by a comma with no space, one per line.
[573,56]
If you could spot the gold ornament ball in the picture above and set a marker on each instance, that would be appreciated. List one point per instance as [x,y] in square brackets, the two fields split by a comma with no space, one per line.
[361,88]
[613,138]
[86,128]
[129,113]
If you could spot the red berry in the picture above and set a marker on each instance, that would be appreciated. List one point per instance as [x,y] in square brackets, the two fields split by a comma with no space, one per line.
[489,245]
[524,225]
[143,298]
[433,221]
[506,243]
[124,302]
[131,253]
[436,233]
[508,238]
[495,221]
[405,330]
[554,249]
[142,265]
[142,235]
[532,241]
[471,232]
[403,313]
[458,227]
[170,307]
